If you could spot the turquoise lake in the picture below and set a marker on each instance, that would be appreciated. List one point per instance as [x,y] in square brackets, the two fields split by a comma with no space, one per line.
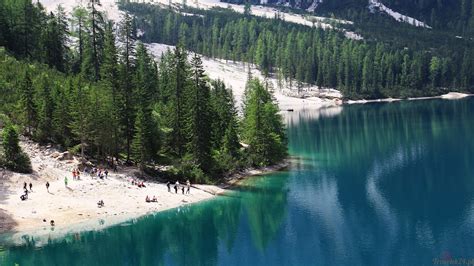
[373,184]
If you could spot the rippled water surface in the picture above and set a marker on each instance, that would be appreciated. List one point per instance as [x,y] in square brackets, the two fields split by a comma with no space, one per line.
[378,184]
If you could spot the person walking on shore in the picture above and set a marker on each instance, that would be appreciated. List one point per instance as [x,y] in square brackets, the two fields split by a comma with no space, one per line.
[47,186]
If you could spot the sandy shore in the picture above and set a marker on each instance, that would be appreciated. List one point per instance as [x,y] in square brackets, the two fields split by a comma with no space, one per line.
[74,208]
[447,96]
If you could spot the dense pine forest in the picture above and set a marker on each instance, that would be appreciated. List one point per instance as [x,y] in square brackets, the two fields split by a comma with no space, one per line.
[453,15]
[416,65]
[89,86]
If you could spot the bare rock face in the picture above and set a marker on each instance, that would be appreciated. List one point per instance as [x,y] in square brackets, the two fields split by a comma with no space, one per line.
[65,156]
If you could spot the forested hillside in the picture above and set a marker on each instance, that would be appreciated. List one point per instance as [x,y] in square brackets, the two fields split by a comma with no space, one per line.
[455,15]
[392,67]
[90,87]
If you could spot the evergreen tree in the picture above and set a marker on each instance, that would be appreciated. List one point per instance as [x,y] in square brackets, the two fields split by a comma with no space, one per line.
[110,82]
[45,109]
[94,42]
[14,158]
[28,106]
[263,128]
[180,81]
[79,19]
[198,120]
[145,144]
[128,38]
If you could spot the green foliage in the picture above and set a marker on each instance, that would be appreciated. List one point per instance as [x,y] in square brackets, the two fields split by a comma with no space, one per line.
[263,128]
[14,158]
[322,57]
[100,101]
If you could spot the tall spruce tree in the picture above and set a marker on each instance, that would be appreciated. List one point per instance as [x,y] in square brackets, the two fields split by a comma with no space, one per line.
[198,118]
[128,38]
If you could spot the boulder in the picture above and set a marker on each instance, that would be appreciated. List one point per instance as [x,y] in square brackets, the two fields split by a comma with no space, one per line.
[55,154]
[65,156]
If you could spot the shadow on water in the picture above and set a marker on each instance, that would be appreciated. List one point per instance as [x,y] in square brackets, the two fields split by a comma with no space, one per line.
[189,235]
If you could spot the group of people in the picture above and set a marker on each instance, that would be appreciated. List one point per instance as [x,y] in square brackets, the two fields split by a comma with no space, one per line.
[138,183]
[147,199]
[26,191]
[178,186]
[97,172]
[76,174]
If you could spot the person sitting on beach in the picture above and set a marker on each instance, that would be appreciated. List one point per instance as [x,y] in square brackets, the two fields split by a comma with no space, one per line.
[52,223]
[100,204]
[154,199]
[147,199]
[142,184]
[24,197]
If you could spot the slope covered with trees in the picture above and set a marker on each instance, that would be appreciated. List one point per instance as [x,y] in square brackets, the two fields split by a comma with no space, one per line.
[394,67]
[101,98]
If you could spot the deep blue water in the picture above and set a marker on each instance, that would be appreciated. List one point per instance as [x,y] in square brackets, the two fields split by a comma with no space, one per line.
[376,184]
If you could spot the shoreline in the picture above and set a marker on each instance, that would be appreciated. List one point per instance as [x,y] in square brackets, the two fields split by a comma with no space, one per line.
[74,208]
[447,96]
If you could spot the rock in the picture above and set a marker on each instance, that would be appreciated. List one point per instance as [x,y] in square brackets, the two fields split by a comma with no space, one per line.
[65,156]
[55,154]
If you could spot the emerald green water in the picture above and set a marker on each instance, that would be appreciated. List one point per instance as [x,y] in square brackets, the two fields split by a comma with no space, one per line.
[378,184]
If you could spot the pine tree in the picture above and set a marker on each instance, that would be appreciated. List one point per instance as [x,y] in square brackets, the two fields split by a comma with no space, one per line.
[110,76]
[180,81]
[81,122]
[93,52]
[263,128]
[145,144]
[128,38]
[27,103]
[79,19]
[45,109]
[15,158]
[198,118]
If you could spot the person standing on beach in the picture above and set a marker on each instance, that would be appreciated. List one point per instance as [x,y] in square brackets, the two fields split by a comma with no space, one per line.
[176,185]
[168,184]
[47,186]
[182,189]
[31,187]
[188,185]
[65,181]
[24,186]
